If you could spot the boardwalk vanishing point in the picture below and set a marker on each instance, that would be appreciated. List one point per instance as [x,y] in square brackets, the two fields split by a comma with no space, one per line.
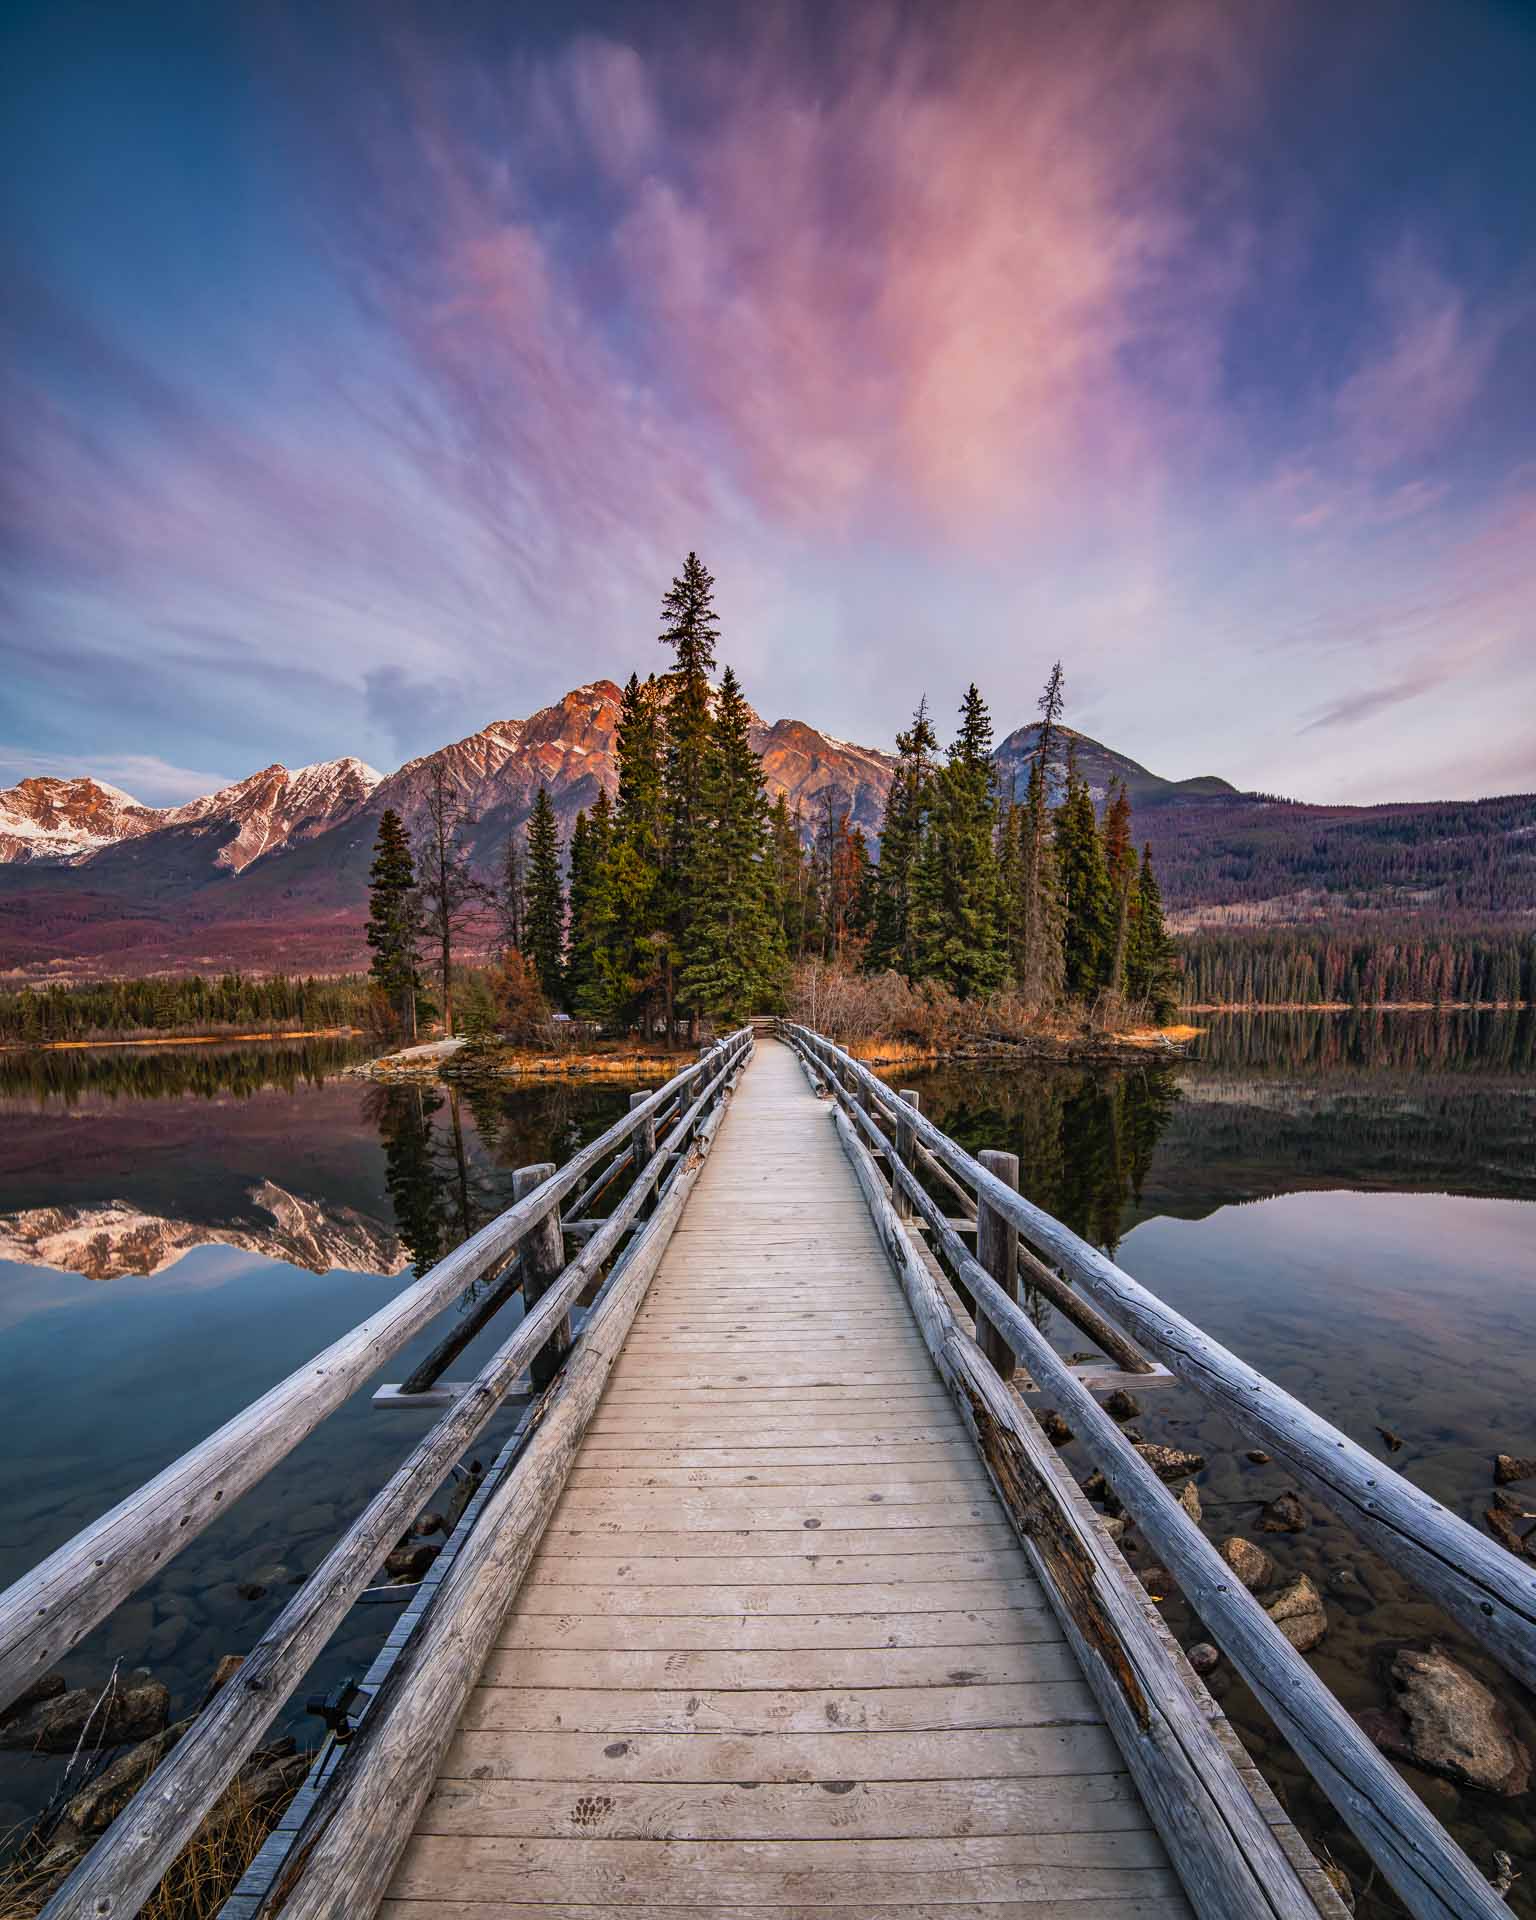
[779,1603]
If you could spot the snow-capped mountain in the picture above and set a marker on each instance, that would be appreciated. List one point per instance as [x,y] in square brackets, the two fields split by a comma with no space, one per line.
[61,820]
[278,806]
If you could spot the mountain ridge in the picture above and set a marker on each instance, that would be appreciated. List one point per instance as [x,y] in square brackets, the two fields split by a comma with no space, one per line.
[271,871]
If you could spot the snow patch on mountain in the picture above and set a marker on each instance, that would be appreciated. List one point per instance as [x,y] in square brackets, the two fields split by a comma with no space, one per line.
[55,821]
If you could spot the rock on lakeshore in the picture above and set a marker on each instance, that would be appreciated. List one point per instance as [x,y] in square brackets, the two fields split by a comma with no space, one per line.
[1447,1722]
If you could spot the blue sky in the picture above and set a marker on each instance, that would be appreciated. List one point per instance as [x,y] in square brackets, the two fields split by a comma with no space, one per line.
[368,372]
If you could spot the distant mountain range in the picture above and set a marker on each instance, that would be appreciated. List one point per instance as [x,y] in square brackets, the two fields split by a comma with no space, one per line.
[272,871]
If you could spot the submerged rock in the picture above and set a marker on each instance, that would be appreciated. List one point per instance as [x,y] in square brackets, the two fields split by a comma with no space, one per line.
[1447,1722]
[1284,1514]
[1508,1467]
[96,1806]
[1189,1500]
[1122,1405]
[1054,1427]
[57,1724]
[1204,1658]
[1258,1456]
[1170,1463]
[1297,1610]
[47,1686]
[409,1563]
[1252,1565]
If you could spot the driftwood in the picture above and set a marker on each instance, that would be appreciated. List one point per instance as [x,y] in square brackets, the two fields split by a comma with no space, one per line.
[343,1859]
[127,1863]
[52,1608]
[1231,1865]
[1484,1588]
[1425,1867]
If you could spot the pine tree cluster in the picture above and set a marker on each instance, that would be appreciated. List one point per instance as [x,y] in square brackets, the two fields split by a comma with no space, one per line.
[682,900]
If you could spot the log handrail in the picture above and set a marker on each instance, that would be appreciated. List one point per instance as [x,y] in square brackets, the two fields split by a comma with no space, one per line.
[126,1864]
[52,1608]
[343,1856]
[1482,1586]
[1426,1868]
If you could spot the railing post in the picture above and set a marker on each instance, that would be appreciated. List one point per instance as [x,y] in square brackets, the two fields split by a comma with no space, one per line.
[543,1262]
[997,1249]
[644,1138]
[906,1149]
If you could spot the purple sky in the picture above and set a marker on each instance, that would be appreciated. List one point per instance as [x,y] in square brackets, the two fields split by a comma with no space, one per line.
[368,372]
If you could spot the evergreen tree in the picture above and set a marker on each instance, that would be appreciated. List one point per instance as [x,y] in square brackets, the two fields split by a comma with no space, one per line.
[394,922]
[509,895]
[591,845]
[544,911]
[957,931]
[732,945]
[692,631]
[1084,886]
[1120,870]
[901,838]
[1034,909]
[449,892]
[628,934]
[791,879]
[1151,971]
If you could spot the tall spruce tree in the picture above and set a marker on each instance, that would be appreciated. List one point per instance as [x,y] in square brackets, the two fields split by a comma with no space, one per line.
[958,933]
[1084,886]
[1152,971]
[591,845]
[892,943]
[544,911]
[394,920]
[628,931]
[510,894]
[449,892]
[1120,870]
[791,880]
[1035,913]
[732,946]
[692,632]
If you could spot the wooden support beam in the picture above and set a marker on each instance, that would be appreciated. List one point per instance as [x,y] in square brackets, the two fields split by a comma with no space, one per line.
[543,1259]
[997,1250]
[906,1141]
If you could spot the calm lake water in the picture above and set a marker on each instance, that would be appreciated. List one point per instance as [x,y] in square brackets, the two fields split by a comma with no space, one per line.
[1347,1202]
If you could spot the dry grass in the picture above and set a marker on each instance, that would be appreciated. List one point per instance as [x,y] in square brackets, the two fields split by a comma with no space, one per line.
[199,1882]
[884,1018]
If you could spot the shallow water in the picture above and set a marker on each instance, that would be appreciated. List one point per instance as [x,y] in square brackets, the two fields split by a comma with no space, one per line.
[1345,1202]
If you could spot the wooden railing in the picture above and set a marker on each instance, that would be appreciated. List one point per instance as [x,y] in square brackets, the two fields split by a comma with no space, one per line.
[52,1608]
[1474,1579]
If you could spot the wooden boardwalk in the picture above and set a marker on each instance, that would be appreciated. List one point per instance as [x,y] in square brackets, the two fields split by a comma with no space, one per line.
[779,1650]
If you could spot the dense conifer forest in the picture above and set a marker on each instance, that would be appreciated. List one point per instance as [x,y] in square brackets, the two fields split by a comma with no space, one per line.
[687,901]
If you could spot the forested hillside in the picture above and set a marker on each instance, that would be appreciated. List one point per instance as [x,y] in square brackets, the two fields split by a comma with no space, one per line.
[1378,963]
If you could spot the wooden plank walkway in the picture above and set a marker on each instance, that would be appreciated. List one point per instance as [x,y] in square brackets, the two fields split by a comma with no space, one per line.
[779,1652]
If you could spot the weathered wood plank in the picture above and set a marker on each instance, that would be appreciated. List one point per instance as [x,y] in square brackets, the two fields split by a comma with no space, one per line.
[800,1810]
[1032,1752]
[1021,1624]
[813,1668]
[1063,1867]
